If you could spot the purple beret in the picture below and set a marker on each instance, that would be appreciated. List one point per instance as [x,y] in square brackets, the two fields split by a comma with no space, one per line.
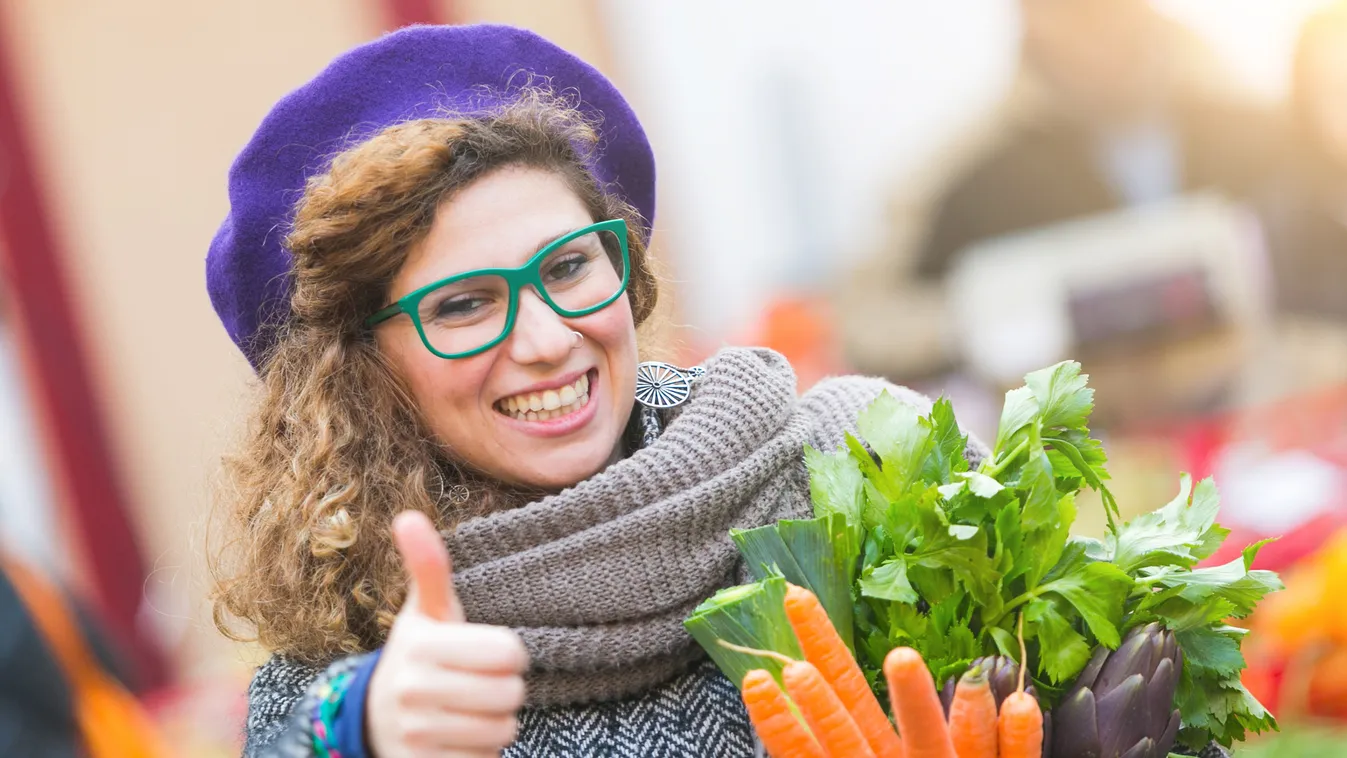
[418,72]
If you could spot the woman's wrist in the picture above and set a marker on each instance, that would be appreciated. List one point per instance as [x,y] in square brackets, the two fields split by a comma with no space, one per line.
[353,733]
[337,716]
[327,709]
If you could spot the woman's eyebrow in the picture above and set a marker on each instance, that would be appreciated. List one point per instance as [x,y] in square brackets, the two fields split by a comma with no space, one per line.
[537,248]
[553,238]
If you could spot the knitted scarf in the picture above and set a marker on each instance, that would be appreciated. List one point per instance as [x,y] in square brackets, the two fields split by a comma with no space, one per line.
[598,578]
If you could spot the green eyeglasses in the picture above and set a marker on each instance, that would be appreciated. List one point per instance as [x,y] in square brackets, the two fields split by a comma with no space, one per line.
[577,274]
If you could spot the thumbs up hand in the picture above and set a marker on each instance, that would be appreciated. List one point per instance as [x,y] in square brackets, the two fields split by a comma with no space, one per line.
[442,687]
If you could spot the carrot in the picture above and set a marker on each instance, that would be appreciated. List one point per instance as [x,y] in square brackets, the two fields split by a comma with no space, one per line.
[824,648]
[916,707]
[828,718]
[1020,725]
[972,717]
[777,726]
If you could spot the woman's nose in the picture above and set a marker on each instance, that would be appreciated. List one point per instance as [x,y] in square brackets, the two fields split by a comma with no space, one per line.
[539,335]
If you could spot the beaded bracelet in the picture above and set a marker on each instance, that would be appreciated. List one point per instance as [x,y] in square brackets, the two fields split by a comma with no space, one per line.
[329,701]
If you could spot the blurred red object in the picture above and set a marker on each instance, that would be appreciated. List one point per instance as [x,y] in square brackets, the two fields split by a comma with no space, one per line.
[1315,421]
[1289,549]
[1305,428]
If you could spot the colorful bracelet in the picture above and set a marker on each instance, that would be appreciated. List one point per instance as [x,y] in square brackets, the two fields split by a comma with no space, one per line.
[329,701]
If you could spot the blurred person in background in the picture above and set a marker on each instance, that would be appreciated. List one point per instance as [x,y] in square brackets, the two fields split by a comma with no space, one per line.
[1115,106]
[62,683]
[37,716]
[447,347]
[1306,216]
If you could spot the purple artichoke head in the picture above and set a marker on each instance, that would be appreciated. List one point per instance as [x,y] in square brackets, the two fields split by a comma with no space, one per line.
[1122,704]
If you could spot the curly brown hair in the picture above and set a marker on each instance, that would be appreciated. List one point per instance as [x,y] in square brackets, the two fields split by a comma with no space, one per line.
[336,446]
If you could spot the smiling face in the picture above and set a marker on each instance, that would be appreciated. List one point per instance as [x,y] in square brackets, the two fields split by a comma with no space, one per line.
[482,407]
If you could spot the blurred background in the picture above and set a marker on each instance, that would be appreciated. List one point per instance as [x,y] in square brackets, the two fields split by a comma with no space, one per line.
[945,194]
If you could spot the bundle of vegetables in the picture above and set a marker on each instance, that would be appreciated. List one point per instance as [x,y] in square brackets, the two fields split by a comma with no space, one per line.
[909,547]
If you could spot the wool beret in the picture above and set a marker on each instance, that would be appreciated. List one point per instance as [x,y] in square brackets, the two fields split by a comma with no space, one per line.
[416,72]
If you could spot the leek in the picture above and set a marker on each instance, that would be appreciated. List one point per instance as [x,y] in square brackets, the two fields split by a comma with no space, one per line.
[751,616]
[819,554]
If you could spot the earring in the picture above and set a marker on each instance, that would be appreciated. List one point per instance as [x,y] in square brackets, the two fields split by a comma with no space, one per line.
[661,385]
[576,339]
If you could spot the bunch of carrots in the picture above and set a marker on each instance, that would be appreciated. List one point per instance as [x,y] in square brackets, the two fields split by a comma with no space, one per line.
[843,719]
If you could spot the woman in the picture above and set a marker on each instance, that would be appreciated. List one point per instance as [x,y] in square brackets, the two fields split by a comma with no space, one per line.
[446,333]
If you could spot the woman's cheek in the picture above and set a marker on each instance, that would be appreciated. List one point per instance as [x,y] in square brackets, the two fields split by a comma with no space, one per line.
[450,393]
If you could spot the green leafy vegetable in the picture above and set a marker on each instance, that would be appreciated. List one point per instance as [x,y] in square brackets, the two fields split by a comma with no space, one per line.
[1097,592]
[1063,651]
[835,484]
[946,460]
[1179,534]
[889,582]
[900,437]
[1195,603]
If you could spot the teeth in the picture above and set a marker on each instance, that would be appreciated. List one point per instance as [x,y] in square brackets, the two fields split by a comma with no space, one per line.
[549,404]
[571,406]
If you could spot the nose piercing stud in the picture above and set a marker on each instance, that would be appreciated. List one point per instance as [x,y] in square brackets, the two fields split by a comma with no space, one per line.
[576,339]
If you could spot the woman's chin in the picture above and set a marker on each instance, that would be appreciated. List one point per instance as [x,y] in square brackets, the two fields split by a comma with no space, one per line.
[557,477]
[558,468]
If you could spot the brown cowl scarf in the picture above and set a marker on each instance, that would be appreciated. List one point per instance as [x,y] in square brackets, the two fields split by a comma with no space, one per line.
[598,579]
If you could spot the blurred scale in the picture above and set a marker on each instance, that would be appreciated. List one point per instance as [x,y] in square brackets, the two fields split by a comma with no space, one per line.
[1161,303]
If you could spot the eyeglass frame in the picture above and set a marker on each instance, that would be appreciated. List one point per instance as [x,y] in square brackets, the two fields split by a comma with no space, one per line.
[529,274]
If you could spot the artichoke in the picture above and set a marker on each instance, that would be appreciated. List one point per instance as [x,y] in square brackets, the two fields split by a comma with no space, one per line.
[1122,704]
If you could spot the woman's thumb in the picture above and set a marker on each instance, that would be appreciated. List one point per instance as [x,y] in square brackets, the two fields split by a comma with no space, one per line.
[426,561]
